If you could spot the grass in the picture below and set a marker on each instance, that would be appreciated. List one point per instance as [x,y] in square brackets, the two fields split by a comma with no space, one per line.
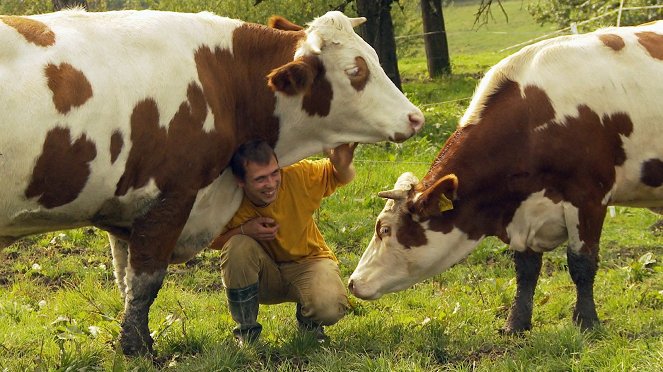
[60,310]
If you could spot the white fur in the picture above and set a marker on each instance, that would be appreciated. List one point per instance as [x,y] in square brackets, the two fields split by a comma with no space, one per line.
[537,224]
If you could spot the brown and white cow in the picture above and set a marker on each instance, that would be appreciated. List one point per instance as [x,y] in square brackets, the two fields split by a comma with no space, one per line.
[125,121]
[553,135]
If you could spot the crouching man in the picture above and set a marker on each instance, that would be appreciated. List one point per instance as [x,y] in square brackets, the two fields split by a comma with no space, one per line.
[272,250]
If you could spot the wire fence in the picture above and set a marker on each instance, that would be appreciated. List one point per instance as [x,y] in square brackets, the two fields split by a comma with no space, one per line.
[571,29]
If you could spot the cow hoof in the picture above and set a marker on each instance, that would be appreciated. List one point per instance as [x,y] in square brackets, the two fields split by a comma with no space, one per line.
[510,330]
[134,347]
[587,324]
[586,320]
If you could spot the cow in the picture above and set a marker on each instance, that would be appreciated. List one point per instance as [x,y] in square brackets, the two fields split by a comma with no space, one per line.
[126,121]
[553,135]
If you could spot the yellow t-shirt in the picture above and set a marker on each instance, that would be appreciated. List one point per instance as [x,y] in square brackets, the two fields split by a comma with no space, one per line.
[303,186]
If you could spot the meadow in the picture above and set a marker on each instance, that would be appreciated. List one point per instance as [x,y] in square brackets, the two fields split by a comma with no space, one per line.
[60,309]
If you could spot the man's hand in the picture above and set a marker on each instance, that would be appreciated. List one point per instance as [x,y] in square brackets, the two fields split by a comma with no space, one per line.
[260,228]
[341,158]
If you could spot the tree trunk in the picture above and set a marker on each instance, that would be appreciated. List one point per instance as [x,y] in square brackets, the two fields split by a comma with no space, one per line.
[63,4]
[435,38]
[378,31]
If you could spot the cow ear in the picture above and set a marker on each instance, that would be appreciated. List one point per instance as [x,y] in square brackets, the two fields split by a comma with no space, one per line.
[283,24]
[295,77]
[437,198]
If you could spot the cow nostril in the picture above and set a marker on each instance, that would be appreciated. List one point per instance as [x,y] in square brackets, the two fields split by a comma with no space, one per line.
[351,285]
[416,120]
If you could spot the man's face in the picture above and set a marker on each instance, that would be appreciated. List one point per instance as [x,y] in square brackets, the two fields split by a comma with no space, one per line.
[261,184]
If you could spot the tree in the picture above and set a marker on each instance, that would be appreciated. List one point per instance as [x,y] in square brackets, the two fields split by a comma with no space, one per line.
[63,4]
[601,12]
[435,38]
[379,32]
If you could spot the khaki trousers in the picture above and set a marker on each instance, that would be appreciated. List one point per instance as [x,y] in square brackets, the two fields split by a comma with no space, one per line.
[314,283]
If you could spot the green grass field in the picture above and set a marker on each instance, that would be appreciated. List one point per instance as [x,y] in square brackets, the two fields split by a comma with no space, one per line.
[60,310]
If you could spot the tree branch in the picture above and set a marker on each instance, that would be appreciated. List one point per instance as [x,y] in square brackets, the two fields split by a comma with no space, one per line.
[484,12]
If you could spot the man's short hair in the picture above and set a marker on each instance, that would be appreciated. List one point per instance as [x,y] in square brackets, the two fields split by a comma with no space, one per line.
[256,151]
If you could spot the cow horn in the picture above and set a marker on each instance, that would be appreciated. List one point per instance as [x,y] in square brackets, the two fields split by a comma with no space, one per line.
[396,194]
[357,21]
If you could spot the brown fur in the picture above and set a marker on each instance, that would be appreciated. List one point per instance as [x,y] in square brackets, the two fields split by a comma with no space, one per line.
[320,102]
[33,31]
[410,233]
[614,42]
[116,145]
[653,42]
[70,87]
[359,82]
[62,169]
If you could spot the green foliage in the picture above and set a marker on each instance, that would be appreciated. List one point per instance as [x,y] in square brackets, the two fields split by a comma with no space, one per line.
[25,7]
[298,11]
[565,12]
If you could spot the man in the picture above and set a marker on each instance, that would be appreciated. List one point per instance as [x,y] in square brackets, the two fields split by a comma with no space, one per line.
[272,250]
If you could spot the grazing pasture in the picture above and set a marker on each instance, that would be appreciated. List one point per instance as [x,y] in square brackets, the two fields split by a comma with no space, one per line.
[60,309]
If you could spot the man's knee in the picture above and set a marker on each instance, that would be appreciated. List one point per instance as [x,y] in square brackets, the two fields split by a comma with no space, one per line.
[240,261]
[326,310]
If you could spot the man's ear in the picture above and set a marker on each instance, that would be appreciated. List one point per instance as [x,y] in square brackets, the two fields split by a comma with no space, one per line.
[295,77]
[240,182]
[437,198]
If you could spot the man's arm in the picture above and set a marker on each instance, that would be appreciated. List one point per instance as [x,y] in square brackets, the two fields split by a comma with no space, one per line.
[341,159]
[259,228]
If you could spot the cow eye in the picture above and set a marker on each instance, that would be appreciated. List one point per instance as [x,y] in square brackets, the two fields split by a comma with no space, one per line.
[384,231]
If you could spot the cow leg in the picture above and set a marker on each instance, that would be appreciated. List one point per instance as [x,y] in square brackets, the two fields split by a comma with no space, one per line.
[582,267]
[528,268]
[120,251]
[151,244]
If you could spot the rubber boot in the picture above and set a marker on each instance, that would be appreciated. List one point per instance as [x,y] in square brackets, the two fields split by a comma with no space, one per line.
[307,325]
[243,306]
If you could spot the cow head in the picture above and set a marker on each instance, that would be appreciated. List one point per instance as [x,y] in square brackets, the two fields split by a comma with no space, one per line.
[414,238]
[341,92]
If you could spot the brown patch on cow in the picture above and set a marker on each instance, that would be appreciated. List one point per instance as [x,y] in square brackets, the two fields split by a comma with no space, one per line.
[180,156]
[62,169]
[612,41]
[517,149]
[360,80]
[235,84]
[317,100]
[410,233]
[116,145]
[653,42]
[651,173]
[33,31]
[70,87]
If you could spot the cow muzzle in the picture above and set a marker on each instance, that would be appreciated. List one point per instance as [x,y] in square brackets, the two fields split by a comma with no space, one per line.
[362,291]
[416,122]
